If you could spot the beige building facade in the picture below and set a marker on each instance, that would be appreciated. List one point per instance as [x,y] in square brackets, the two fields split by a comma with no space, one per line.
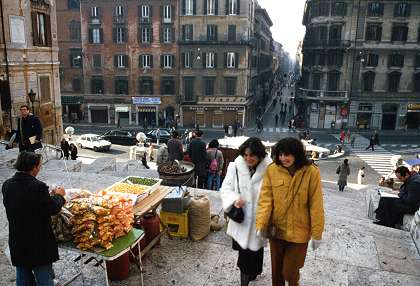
[29,62]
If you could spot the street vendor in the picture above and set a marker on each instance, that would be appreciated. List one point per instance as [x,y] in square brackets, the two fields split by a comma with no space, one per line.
[29,207]
[391,211]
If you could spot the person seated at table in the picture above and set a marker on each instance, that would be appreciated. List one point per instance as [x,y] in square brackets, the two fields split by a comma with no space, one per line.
[29,207]
[391,211]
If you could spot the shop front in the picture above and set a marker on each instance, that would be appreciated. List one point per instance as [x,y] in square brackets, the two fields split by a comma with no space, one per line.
[122,115]
[389,116]
[324,115]
[147,111]
[98,114]
[364,116]
[211,116]
[413,116]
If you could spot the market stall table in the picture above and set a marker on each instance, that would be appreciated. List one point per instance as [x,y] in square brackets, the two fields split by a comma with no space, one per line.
[121,246]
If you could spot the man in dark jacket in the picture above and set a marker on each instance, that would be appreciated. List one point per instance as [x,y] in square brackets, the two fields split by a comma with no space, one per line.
[198,154]
[29,131]
[29,207]
[65,147]
[391,211]
[175,149]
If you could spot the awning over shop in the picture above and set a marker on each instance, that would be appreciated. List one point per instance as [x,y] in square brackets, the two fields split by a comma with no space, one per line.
[70,100]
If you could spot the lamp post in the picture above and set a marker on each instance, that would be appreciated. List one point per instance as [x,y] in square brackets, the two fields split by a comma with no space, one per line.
[32,95]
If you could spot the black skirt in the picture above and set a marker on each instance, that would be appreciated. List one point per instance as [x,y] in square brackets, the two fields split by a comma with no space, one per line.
[249,262]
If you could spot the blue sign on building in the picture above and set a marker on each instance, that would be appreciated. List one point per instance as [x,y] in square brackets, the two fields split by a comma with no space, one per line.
[146,100]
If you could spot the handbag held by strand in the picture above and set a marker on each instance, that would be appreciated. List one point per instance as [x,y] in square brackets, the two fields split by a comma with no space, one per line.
[236,214]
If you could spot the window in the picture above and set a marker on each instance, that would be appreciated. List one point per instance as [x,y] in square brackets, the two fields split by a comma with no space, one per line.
[121,85]
[333,80]
[168,86]
[121,61]
[145,11]
[76,59]
[373,32]
[97,61]
[209,60]
[75,32]
[365,107]
[94,12]
[394,81]
[319,59]
[417,61]
[370,60]
[335,58]
[41,29]
[97,85]
[120,35]
[187,32]
[399,33]
[44,82]
[167,61]
[209,86]
[167,13]
[402,10]
[321,9]
[95,35]
[146,35]
[76,84]
[119,11]
[396,60]
[146,85]
[232,33]
[211,32]
[232,7]
[188,7]
[230,85]
[167,35]
[368,81]
[189,88]
[316,81]
[231,60]
[375,9]
[339,9]
[335,34]
[210,7]
[73,4]
[146,61]
[417,82]
[186,59]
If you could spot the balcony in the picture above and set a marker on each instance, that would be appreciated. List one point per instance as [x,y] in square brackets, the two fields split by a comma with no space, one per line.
[340,44]
[322,95]
[202,40]
[120,19]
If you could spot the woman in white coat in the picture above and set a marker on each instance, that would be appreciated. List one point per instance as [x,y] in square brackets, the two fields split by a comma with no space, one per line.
[361,176]
[241,188]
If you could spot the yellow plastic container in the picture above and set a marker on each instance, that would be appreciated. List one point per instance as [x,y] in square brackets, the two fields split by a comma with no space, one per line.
[177,223]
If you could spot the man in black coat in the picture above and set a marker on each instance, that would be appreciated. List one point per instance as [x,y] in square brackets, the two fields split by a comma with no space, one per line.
[198,154]
[29,207]
[391,211]
[29,131]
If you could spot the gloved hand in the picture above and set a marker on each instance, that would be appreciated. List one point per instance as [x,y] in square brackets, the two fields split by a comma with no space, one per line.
[316,244]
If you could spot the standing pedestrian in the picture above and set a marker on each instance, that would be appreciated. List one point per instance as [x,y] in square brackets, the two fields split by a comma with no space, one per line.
[290,125]
[198,154]
[348,135]
[175,149]
[235,128]
[276,120]
[241,189]
[376,138]
[29,131]
[371,143]
[290,210]
[342,136]
[343,172]
[73,151]
[361,176]
[215,162]
[65,147]
[353,140]
[29,207]
[226,128]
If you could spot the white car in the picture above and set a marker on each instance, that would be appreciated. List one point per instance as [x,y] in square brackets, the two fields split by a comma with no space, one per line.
[93,141]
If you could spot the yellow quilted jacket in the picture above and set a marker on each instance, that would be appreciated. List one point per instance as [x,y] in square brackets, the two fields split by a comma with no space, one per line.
[305,217]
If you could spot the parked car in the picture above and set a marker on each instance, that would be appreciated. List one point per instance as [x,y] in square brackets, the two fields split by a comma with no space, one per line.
[121,137]
[165,135]
[93,141]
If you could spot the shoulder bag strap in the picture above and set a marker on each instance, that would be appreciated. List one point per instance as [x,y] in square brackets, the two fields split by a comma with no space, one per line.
[237,179]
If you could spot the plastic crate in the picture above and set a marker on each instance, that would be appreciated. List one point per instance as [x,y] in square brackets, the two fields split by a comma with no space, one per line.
[177,223]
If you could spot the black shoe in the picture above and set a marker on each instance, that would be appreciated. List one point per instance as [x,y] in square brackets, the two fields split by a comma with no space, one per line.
[379,223]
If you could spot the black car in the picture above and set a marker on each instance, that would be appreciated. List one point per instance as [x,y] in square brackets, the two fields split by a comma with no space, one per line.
[165,135]
[121,137]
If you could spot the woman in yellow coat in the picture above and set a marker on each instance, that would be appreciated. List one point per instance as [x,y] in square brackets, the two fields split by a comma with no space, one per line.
[290,210]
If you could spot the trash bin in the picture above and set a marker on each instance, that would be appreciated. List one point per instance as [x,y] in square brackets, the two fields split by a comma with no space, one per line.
[230,130]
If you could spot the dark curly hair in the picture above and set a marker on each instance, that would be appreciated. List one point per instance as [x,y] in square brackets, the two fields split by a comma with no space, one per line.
[255,145]
[290,146]
[214,143]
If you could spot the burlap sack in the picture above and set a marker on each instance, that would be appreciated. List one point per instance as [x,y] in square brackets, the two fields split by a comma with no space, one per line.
[199,217]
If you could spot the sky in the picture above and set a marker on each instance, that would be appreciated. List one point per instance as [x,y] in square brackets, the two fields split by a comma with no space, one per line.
[286,16]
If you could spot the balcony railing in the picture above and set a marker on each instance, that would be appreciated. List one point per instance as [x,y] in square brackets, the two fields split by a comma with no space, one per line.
[326,43]
[323,94]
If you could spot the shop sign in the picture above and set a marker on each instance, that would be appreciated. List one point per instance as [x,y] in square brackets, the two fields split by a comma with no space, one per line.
[121,109]
[413,107]
[146,100]
[196,108]
[231,109]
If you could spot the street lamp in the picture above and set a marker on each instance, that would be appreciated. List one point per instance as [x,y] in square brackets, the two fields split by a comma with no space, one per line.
[32,96]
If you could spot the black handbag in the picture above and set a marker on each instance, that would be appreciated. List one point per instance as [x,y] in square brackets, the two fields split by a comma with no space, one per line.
[236,214]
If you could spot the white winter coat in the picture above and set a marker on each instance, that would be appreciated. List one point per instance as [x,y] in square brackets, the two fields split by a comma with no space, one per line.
[361,177]
[244,233]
